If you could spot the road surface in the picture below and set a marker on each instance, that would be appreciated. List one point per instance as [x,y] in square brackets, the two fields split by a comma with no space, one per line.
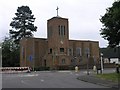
[46,79]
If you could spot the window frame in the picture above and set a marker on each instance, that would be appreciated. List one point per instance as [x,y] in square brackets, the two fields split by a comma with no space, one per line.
[62,50]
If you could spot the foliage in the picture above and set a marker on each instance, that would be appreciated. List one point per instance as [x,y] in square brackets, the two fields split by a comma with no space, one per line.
[22,25]
[110,52]
[10,53]
[111,25]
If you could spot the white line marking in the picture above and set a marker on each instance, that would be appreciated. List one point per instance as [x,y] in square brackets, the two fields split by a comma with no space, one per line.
[76,74]
[23,82]
[86,72]
[64,71]
[29,75]
[42,80]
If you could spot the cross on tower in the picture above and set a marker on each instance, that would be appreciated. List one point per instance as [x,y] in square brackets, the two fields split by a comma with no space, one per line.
[57,11]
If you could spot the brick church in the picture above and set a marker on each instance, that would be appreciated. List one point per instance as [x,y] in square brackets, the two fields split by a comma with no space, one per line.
[57,51]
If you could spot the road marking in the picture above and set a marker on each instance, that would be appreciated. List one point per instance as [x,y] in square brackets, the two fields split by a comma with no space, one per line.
[28,75]
[24,82]
[86,72]
[76,74]
[42,80]
[45,71]
[64,71]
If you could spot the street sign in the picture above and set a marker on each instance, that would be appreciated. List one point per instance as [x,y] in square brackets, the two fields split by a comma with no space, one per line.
[30,57]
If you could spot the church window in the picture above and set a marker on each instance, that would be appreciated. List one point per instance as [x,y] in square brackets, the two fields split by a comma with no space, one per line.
[63,61]
[50,50]
[64,30]
[61,49]
[78,52]
[70,52]
[45,63]
[23,52]
[87,51]
[61,29]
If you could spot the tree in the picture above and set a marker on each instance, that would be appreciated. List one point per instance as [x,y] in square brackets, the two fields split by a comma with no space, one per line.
[22,25]
[10,53]
[111,25]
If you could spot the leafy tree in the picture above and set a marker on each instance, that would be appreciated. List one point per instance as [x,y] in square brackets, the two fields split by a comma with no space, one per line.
[111,25]
[10,53]
[22,25]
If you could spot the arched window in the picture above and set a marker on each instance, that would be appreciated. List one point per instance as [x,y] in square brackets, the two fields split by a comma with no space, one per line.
[63,61]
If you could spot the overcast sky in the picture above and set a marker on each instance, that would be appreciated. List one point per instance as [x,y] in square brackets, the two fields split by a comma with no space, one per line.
[83,16]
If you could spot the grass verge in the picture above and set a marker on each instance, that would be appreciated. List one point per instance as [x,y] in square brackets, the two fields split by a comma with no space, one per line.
[115,77]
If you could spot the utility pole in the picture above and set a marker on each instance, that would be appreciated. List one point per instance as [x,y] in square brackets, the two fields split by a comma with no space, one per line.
[88,63]
[0,65]
[101,62]
[0,54]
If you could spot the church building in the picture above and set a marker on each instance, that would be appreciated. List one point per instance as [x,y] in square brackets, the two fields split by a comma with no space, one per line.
[57,51]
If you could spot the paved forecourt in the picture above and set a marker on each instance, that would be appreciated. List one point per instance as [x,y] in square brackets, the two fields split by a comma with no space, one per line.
[46,79]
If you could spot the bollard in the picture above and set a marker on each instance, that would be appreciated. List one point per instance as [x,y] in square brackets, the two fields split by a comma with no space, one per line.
[76,69]
[117,68]
[99,70]
[94,68]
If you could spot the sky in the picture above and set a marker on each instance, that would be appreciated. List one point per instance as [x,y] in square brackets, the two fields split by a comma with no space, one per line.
[83,16]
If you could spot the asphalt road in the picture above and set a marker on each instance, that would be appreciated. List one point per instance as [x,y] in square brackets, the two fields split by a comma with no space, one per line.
[46,79]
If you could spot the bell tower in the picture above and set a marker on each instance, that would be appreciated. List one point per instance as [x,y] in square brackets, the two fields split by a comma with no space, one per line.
[57,32]
[58,36]
[57,28]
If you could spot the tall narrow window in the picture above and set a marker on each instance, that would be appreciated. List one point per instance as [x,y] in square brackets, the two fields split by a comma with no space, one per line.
[78,52]
[64,30]
[45,63]
[23,53]
[70,52]
[87,51]
[63,61]
[50,50]
[59,29]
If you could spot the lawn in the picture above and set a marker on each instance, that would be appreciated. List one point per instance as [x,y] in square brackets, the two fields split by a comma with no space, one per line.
[110,76]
